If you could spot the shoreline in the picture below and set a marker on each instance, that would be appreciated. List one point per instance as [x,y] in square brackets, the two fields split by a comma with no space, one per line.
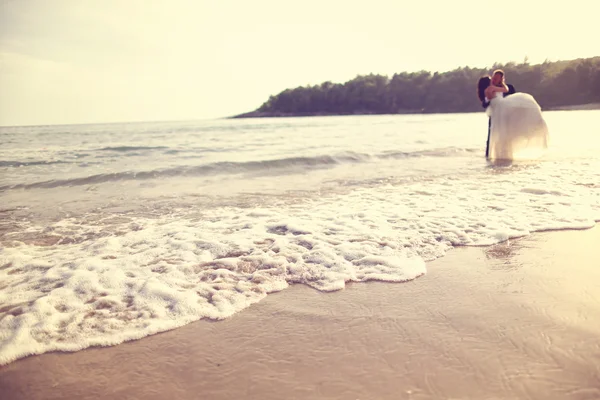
[589,106]
[260,114]
[513,320]
[255,114]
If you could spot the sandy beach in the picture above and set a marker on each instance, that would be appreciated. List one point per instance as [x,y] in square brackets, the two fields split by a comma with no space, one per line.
[259,200]
[517,320]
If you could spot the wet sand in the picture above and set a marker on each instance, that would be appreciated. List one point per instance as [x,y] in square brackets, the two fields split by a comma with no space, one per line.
[520,320]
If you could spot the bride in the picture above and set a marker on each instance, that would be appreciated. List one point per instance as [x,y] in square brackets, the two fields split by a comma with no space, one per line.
[518,129]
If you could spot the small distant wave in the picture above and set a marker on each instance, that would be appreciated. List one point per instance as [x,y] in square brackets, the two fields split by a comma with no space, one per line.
[227,167]
[29,163]
[132,148]
[199,150]
[442,152]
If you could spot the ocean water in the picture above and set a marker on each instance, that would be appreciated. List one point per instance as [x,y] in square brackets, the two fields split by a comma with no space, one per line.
[114,232]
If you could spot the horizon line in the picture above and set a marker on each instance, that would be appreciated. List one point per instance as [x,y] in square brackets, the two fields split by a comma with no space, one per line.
[524,62]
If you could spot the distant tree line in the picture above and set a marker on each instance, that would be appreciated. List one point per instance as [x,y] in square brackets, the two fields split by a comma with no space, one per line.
[553,84]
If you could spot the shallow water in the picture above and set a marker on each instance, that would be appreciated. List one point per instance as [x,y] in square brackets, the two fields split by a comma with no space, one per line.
[114,232]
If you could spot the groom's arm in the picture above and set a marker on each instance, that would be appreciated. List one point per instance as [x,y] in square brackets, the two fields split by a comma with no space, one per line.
[511,90]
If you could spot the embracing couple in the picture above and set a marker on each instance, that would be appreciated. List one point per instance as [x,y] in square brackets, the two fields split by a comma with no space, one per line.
[516,127]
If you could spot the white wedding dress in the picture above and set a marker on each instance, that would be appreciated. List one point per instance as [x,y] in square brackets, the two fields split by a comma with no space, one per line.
[518,128]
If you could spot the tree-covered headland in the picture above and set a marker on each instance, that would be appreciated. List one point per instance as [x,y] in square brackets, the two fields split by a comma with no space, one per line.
[560,84]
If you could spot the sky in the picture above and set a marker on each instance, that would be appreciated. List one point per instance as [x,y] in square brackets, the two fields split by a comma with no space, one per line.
[89,61]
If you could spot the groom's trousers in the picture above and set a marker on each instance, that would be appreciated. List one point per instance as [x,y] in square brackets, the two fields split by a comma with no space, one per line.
[487,145]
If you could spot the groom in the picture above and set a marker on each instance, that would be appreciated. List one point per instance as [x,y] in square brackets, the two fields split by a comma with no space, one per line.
[497,78]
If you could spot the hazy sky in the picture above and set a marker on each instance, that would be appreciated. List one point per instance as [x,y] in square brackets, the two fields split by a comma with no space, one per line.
[77,61]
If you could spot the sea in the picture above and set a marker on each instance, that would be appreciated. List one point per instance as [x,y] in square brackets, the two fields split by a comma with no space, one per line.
[113,232]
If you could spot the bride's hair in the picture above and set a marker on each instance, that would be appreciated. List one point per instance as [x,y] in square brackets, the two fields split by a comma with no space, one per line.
[483,83]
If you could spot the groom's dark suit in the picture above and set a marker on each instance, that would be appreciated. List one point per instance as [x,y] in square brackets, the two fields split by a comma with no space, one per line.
[485,104]
[511,90]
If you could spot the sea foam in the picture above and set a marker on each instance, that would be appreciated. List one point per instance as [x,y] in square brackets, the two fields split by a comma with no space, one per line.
[154,274]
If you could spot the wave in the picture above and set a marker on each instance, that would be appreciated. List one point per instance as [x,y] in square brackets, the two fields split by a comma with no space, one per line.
[132,148]
[442,152]
[4,163]
[229,167]
[105,280]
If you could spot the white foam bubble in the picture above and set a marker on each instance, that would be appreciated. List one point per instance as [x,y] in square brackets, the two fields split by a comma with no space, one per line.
[213,263]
